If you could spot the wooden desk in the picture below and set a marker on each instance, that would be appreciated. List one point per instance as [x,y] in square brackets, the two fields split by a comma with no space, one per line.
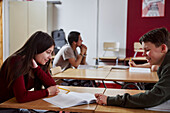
[126,76]
[111,58]
[82,74]
[137,59]
[105,75]
[43,105]
[115,109]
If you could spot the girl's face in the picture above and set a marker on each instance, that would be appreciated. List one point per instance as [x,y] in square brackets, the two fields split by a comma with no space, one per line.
[45,56]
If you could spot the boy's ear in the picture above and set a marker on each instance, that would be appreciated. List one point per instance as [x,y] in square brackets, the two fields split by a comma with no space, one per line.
[164,48]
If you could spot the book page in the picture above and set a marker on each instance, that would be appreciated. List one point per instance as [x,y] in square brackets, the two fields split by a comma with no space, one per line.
[141,70]
[70,99]
[162,107]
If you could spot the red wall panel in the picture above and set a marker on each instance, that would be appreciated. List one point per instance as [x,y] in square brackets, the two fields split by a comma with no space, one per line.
[138,25]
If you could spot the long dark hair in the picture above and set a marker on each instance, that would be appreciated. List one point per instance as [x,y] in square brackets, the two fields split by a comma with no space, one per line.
[37,43]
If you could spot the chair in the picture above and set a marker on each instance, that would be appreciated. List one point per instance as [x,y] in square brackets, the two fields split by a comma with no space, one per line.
[55,70]
[137,48]
[59,39]
[111,46]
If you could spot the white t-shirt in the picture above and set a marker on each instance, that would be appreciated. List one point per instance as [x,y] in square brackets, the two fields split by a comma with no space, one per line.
[62,57]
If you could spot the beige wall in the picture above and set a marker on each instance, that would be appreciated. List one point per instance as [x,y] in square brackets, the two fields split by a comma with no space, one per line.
[25,19]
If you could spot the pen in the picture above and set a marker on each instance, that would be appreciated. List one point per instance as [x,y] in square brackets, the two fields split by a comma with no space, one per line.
[64,89]
[130,61]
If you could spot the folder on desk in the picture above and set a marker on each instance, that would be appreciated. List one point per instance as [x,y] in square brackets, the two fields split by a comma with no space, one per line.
[120,67]
[89,66]
[142,70]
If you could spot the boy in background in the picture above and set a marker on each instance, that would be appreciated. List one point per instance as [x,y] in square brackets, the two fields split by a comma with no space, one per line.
[68,56]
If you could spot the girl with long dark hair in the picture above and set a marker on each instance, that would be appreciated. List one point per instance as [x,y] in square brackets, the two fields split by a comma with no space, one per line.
[28,68]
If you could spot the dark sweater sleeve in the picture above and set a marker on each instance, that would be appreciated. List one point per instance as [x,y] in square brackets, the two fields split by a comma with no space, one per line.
[45,78]
[159,94]
[23,95]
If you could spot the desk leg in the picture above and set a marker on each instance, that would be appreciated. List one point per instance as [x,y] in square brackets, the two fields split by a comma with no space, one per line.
[94,83]
[97,62]
[104,84]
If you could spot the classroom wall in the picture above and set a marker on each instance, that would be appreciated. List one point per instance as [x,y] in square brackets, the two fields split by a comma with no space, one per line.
[78,15]
[81,15]
[137,26]
[112,25]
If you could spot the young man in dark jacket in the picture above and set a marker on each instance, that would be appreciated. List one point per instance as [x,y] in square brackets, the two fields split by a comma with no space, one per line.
[155,44]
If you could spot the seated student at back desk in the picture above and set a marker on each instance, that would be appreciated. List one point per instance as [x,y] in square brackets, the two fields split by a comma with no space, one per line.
[68,56]
[27,68]
[155,44]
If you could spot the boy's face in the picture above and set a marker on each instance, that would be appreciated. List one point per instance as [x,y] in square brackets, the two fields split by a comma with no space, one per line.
[153,54]
[79,42]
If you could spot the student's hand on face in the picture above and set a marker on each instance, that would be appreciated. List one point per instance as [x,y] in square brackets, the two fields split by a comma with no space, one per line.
[53,90]
[101,99]
[34,64]
[84,46]
[83,49]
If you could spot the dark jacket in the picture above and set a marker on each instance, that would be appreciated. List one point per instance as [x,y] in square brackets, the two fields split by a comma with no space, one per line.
[157,95]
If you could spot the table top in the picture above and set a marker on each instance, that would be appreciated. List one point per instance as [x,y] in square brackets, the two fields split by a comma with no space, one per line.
[126,76]
[89,108]
[136,58]
[82,74]
[43,105]
[107,75]
[115,109]
[110,58]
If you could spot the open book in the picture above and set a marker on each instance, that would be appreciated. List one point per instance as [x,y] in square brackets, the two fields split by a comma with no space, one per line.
[71,99]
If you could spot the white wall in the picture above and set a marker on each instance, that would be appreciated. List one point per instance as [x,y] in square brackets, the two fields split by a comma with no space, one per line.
[112,24]
[81,15]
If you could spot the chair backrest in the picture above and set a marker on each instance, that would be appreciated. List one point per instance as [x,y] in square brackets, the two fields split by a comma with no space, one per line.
[55,70]
[111,46]
[137,48]
[59,39]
